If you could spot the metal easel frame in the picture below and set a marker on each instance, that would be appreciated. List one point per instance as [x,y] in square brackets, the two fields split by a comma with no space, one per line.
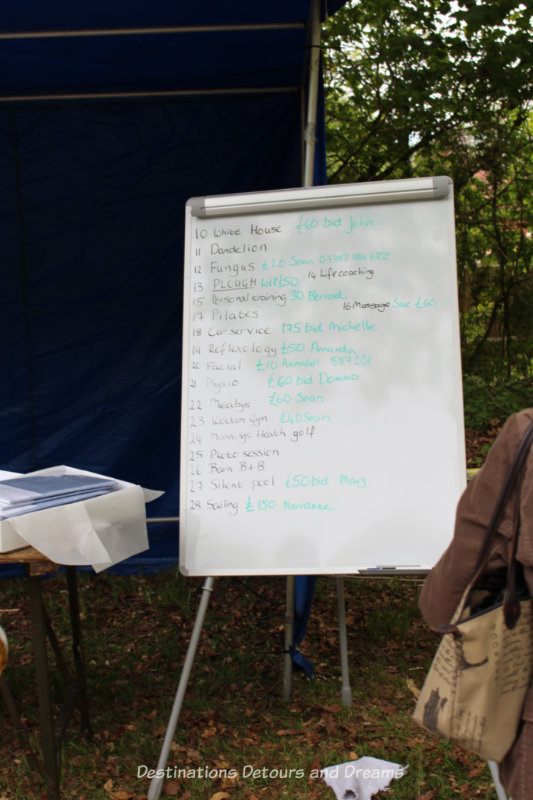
[157,781]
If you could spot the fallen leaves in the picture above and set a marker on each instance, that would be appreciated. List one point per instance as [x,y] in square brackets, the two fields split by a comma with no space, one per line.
[290,732]
[117,794]
[333,709]
[234,716]
[171,788]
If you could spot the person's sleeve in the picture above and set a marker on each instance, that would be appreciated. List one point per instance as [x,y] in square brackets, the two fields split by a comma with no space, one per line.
[448,579]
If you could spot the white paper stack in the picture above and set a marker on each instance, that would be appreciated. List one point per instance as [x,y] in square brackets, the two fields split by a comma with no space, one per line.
[74,517]
[29,493]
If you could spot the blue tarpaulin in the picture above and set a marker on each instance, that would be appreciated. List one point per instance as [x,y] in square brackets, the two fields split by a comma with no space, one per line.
[111,116]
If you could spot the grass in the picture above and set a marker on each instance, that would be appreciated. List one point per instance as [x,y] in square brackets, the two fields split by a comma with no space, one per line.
[136,632]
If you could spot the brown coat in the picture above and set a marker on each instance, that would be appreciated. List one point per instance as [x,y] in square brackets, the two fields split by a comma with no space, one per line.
[447,580]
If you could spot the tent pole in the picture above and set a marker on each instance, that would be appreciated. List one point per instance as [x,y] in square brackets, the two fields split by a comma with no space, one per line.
[289,634]
[168,29]
[19,98]
[312,95]
[309,163]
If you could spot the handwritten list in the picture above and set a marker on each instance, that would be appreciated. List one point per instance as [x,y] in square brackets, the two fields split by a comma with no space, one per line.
[320,389]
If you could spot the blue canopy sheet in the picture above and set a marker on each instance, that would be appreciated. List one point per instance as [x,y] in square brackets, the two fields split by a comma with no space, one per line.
[111,116]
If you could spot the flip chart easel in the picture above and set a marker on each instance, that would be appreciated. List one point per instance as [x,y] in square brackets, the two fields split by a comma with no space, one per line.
[322,422]
[322,395]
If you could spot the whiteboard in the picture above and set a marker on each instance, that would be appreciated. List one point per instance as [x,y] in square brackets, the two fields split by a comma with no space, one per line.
[322,418]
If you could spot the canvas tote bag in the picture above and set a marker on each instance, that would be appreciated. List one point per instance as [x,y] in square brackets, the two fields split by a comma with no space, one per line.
[476,686]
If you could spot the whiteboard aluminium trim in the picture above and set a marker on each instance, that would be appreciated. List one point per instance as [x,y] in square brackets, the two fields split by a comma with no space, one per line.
[388,571]
[391,568]
[433,188]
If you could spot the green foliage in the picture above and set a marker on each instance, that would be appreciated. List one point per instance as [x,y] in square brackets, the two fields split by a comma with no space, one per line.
[434,88]
[488,402]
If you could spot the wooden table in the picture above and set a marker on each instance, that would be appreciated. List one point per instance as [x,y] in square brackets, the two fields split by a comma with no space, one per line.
[52,726]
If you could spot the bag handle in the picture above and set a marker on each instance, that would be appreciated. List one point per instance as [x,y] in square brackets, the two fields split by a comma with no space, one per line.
[511,603]
[511,600]
[514,477]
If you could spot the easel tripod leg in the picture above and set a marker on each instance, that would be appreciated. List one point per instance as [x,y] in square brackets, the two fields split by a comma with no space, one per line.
[156,784]
[346,692]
